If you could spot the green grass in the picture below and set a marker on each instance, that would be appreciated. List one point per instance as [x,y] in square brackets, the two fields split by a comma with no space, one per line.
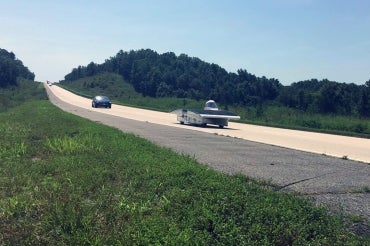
[121,92]
[296,119]
[65,180]
[110,84]
[25,91]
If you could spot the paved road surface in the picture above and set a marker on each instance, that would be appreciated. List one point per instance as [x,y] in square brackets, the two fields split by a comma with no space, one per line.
[340,184]
[333,145]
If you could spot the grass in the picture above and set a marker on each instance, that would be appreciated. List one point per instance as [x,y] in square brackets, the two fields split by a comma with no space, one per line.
[296,119]
[65,180]
[26,90]
[123,93]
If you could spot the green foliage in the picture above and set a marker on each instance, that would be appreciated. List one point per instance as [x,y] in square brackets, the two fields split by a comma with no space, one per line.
[297,119]
[165,104]
[263,114]
[167,75]
[118,90]
[12,68]
[73,145]
[69,181]
[110,84]
[25,90]
[327,97]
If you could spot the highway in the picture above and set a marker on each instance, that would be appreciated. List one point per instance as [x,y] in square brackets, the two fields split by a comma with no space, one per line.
[308,164]
[332,145]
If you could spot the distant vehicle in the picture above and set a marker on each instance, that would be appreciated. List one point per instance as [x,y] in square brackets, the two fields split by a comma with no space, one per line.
[101,101]
[209,115]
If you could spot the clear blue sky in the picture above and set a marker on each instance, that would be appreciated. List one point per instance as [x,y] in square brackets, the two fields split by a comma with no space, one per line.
[290,40]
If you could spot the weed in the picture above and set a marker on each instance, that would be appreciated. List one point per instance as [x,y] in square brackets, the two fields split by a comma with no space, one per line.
[73,145]
[355,218]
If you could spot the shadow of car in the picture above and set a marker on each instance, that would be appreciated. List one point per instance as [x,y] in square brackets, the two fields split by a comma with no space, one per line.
[101,101]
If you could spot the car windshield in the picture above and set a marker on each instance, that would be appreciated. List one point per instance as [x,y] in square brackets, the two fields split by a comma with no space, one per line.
[102,98]
[211,104]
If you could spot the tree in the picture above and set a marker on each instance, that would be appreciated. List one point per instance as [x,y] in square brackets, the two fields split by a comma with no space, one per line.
[11,68]
[164,90]
[364,102]
[327,101]
[91,69]
[367,83]
[8,73]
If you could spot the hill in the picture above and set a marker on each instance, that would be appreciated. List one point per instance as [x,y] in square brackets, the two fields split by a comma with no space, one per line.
[110,84]
[167,75]
[122,92]
[16,82]
[11,68]
[25,91]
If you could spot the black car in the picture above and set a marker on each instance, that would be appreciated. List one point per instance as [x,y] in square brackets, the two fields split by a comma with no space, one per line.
[101,101]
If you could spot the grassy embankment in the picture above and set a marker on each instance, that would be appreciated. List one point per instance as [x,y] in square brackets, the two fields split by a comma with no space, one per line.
[69,181]
[25,91]
[121,92]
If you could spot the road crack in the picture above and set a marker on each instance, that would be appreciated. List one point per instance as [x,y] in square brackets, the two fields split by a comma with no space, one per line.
[303,180]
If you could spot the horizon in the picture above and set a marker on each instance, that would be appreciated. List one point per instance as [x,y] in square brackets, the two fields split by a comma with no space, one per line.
[289,40]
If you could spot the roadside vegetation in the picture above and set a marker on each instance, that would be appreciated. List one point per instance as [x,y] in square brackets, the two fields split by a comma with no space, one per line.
[68,181]
[169,75]
[11,69]
[283,117]
[25,90]
[121,92]
[65,180]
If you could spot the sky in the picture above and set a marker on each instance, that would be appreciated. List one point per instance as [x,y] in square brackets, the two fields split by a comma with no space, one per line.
[289,40]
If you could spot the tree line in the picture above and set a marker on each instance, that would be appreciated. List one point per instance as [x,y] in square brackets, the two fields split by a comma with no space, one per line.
[328,97]
[11,68]
[168,75]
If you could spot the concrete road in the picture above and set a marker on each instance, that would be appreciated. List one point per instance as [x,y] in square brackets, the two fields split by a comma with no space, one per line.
[297,161]
[327,144]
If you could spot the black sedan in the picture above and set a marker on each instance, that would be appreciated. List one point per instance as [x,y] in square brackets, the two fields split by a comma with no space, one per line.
[101,101]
